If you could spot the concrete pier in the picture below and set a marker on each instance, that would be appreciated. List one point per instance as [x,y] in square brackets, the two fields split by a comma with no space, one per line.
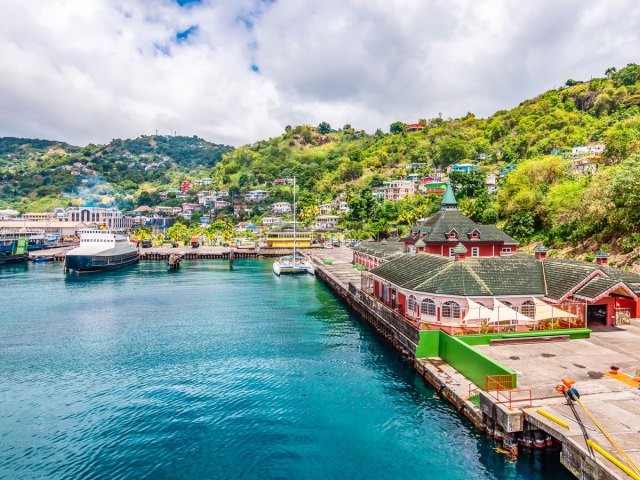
[513,416]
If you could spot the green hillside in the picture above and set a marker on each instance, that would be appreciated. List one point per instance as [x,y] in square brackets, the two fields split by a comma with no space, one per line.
[542,199]
[38,175]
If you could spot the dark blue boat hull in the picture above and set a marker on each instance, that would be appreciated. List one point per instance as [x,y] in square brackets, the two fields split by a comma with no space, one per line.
[89,264]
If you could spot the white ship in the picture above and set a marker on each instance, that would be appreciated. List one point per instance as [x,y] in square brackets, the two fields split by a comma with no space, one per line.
[101,250]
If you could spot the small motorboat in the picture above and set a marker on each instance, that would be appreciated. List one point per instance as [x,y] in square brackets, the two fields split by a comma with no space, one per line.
[41,259]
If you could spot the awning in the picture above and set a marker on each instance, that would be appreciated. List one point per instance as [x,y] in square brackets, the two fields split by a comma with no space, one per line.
[479,312]
[503,313]
[544,311]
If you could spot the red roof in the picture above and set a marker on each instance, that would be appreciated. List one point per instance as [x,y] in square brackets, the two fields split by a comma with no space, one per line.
[143,208]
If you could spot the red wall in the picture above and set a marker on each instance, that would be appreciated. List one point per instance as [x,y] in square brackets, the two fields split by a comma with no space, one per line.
[486,250]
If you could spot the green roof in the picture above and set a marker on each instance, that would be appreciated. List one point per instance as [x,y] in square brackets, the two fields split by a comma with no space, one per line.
[448,199]
[602,254]
[460,248]
[597,286]
[517,274]
[540,248]
[380,249]
[436,227]
[478,276]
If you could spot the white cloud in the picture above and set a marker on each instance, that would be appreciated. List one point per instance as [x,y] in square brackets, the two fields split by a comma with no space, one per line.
[95,70]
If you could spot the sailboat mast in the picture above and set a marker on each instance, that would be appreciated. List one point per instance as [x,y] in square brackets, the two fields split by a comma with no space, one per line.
[294,222]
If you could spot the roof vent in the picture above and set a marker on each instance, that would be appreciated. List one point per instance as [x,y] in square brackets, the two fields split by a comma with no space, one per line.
[602,257]
[540,251]
[460,252]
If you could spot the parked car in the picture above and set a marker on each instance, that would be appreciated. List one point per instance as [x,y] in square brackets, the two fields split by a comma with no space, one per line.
[145,243]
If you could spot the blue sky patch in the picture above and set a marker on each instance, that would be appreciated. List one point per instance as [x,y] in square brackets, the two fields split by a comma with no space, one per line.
[188,3]
[255,68]
[184,35]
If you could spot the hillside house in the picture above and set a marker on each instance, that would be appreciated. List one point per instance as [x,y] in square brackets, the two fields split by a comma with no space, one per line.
[398,189]
[464,167]
[281,208]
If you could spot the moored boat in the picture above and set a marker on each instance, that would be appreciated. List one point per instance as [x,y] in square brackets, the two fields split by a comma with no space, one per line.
[293,264]
[17,252]
[290,265]
[101,250]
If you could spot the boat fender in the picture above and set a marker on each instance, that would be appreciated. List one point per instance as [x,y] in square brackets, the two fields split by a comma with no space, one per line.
[573,393]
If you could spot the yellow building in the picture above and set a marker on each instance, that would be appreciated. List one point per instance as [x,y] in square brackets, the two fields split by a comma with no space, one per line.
[283,238]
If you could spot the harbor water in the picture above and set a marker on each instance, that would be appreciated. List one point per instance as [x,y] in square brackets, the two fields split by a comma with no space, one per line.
[210,373]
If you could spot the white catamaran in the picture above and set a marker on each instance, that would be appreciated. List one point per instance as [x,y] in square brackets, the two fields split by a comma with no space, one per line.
[293,264]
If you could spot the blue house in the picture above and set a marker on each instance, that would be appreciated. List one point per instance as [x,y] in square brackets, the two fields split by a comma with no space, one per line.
[464,167]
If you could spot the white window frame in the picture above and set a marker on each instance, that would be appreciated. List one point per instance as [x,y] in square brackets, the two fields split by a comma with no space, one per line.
[475,251]
[428,308]
[506,250]
[451,252]
[451,310]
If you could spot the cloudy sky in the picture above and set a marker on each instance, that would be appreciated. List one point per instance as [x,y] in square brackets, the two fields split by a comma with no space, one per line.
[234,71]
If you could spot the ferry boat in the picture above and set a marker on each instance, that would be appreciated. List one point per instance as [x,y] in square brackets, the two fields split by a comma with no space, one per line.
[293,264]
[18,252]
[101,250]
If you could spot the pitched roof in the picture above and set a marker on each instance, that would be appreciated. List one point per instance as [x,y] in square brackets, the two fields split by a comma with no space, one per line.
[480,276]
[385,248]
[599,286]
[435,228]
[540,248]
[448,199]
[460,248]
[516,274]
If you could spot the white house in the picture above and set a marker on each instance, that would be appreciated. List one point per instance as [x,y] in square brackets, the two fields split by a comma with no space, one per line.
[326,222]
[595,150]
[256,195]
[281,207]
[271,221]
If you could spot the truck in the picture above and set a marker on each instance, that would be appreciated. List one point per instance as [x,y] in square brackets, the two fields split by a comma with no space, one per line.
[195,242]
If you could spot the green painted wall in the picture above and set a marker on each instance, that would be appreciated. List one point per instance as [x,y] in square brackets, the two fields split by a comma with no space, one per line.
[429,345]
[464,358]
[485,339]
[469,362]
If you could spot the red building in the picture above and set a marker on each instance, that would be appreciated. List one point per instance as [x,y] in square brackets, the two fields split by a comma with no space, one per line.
[441,233]
[515,293]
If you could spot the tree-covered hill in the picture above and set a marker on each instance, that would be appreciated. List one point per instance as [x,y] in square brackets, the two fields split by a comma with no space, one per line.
[40,174]
[541,199]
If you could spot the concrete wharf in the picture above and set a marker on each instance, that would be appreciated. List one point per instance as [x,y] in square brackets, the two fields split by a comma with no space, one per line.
[186,253]
[539,367]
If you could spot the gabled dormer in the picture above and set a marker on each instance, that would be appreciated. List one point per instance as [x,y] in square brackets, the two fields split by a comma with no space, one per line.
[452,234]
[474,234]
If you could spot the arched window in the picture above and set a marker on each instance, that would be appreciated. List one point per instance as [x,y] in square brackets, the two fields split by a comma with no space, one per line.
[412,305]
[428,307]
[450,310]
[508,304]
[528,308]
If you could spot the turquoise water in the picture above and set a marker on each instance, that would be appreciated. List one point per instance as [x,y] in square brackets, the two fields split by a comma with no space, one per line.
[211,373]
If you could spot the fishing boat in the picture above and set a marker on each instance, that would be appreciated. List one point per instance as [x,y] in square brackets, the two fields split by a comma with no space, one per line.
[293,264]
[101,250]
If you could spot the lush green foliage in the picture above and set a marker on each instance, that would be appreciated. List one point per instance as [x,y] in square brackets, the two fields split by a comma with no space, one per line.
[39,174]
[541,199]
